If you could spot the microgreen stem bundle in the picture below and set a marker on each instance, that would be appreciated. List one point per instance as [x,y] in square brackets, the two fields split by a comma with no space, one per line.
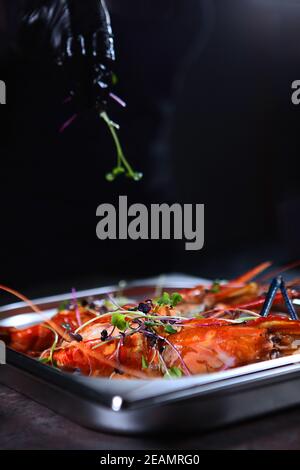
[123,165]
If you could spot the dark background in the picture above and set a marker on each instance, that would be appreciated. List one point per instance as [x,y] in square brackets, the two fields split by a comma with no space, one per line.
[209,120]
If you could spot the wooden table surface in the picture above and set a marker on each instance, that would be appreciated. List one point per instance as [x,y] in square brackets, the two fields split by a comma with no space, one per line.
[25,424]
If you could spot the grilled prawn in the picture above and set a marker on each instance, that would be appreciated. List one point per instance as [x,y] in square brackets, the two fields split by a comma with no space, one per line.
[238,325]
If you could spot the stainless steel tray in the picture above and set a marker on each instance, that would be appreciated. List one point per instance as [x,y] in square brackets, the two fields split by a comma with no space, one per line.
[183,405]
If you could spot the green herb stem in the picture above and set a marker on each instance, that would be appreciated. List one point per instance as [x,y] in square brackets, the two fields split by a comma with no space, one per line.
[53,347]
[122,162]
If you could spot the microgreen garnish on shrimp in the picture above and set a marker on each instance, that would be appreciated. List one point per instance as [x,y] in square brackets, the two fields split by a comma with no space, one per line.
[172,300]
[241,321]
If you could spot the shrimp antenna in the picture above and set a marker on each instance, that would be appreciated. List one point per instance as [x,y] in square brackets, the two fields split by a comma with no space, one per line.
[278,283]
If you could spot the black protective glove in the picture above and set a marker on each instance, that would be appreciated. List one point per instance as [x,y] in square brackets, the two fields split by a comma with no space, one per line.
[76,35]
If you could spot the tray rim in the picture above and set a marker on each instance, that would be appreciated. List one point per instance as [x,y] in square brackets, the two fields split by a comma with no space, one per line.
[188,387]
[190,281]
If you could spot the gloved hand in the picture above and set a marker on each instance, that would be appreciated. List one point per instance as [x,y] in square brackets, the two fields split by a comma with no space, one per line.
[76,35]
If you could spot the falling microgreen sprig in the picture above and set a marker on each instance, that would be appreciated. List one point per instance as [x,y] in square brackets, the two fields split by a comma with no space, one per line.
[123,166]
